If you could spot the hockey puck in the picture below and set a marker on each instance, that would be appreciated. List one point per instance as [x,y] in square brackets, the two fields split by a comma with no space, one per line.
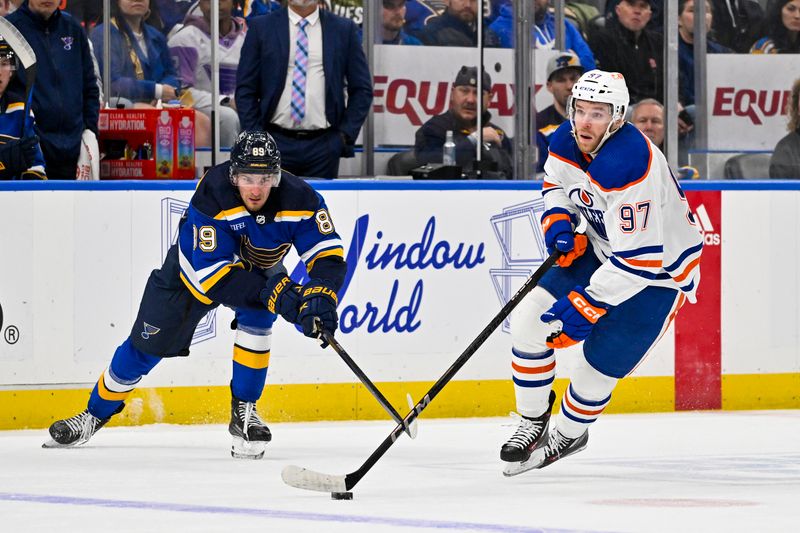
[341,495]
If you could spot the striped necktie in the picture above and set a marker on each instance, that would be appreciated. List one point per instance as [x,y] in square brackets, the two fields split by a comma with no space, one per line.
[300,72]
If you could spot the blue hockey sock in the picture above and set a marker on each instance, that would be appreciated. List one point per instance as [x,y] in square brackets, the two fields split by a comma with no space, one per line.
[251,353]
[120,378]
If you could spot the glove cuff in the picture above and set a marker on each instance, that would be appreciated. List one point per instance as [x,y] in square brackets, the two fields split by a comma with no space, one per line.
[591,309]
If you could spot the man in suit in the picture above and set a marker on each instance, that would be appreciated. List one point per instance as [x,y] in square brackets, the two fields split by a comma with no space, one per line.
[297,64]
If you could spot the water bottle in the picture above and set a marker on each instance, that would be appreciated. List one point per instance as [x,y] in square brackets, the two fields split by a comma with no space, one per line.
[449,150]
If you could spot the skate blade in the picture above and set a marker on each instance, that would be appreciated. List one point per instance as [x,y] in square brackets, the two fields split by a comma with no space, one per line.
[514,469]
[53,444]
[242,449]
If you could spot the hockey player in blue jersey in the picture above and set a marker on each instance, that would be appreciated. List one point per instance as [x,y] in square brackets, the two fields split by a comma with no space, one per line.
[242,220]
[616,288]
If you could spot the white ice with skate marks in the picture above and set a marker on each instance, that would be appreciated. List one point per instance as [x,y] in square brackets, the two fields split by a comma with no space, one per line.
[704,471]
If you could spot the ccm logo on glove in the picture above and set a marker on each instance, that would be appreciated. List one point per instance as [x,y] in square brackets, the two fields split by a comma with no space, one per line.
[592,314]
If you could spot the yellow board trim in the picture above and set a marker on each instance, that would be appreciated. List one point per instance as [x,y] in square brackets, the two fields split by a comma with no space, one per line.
[250,359]
[20,409]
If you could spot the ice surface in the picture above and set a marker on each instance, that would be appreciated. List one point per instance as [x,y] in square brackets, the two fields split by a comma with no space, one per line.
[704,471]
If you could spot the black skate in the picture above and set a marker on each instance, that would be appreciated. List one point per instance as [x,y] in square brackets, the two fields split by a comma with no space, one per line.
[559,446]
[76,430]
[250,433]
[530,435]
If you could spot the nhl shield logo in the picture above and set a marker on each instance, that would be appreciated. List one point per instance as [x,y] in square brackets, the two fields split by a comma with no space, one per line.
[149,330]
[260,219]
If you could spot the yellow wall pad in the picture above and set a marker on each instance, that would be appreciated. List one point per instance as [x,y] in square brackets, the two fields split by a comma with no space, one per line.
[300,403]
[761,391]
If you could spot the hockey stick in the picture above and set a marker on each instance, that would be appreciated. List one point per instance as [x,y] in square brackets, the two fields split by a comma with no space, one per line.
[411,429]
[26,56]
[303,478]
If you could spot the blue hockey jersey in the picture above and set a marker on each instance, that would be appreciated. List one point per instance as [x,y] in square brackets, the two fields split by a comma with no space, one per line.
[12,111]
[225,251]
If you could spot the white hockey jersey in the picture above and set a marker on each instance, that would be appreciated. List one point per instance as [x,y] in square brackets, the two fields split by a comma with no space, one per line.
[190,49]
[639,222]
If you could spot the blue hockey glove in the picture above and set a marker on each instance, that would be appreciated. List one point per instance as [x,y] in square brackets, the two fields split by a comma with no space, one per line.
[318,302]
[18,155]
[578,313]
[557,225]
[281,295]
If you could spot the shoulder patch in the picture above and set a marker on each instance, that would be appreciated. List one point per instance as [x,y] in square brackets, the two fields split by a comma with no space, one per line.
[623,161]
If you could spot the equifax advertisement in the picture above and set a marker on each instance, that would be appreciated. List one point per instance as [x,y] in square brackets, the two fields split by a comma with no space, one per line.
[405,98]
[748,112]
[744,112]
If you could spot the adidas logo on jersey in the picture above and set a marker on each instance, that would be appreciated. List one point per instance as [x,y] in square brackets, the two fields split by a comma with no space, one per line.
[710,237]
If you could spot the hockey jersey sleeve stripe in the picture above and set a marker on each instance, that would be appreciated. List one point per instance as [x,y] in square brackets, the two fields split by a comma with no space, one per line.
[644,263]
[686,253]
[688,270]
[16,106]
[194,291]
[635,271]
[293,216]
[549,185]
[640,251]
[337,252]
[232,214]
[320,246]
[221,273]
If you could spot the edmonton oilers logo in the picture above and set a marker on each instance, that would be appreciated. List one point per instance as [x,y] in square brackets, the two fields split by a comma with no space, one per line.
[584,197]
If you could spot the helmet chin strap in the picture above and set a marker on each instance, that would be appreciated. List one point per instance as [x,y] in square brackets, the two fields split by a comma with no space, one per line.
[609,132]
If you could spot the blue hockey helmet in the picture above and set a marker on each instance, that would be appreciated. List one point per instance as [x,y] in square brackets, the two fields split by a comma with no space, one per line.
[255,155]
[7,54]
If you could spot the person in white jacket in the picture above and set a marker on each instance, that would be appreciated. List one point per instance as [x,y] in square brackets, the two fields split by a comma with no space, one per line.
[190,49]
[616,288]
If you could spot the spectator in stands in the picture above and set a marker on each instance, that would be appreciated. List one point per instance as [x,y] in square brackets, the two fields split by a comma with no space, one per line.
[315,96]
[736,23]
[142,71]
[394,17]
[66,99]
[141,67]
[686,48]
[648,117]
[190,48]
[501,32]
[625,45]
[462,120]
[785,161]
[563,70]
[20,154]
[780,30]
[456,26]
[8,6]
[656,22]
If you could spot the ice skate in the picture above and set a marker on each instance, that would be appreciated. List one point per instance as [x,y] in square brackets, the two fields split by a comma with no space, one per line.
[531,435]
[75,430]
[250,433]
[558,447]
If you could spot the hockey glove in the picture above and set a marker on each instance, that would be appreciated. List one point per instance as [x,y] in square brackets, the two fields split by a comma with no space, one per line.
[281,295]
[18,155]
[318,302]
[557,225]
[578,313]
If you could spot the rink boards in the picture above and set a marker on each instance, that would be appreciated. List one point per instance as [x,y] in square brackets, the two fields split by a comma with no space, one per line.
[429,265]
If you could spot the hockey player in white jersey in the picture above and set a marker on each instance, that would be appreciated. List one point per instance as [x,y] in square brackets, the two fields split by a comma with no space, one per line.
[616,288]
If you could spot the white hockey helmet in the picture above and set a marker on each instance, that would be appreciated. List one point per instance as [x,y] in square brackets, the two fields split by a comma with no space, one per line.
[601,87]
